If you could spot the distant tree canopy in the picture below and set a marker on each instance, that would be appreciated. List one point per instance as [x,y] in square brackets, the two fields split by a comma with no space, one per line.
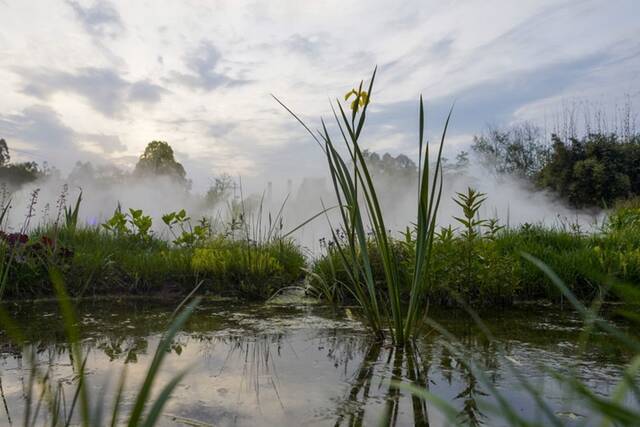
[394,177]
[16,174]
[4,153]
[104,175]
[516,150]
[595,170]
[400,167]
[219,190]
[158,160]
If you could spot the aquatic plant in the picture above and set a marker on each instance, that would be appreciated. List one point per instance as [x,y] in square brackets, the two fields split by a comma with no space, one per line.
[359,207]
[618,408]
[470,203]
[123,256]
[117,224]
[86,408]
[134,224]
[471,223]
[254,271]
[625,214]
[11,251]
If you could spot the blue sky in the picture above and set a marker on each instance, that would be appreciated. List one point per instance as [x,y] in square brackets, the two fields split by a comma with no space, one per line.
[97,80]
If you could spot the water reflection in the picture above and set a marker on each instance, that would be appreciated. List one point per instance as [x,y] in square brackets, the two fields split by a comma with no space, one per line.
[4,402]
[401,364]
[259,368]
[304,365]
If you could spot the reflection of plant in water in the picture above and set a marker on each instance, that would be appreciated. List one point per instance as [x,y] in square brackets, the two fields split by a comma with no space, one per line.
[341,349]
[400,362]
[129,348]
[446,364]
[352,408]
[470,413]
[391,365]
[4,401]
[45,399]
[619,406]
[258,362]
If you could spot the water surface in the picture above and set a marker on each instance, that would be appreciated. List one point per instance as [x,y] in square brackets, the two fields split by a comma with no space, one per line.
[296,364]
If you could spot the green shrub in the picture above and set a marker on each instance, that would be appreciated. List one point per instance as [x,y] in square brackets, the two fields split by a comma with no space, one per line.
[493,278]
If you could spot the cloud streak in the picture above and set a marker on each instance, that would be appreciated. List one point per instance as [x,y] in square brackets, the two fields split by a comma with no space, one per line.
[200,77]
[204,65]
[100,20]
[103,88]
[46,137]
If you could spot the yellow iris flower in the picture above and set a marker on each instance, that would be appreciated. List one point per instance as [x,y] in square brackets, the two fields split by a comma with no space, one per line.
[361,99]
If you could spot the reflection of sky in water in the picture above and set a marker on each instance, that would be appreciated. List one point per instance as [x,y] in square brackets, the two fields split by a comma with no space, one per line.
[307,366]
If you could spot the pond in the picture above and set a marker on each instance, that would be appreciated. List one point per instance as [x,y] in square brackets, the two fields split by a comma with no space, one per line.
[304,364]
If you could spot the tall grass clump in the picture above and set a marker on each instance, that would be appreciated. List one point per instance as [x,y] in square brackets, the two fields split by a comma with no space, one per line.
[359,208]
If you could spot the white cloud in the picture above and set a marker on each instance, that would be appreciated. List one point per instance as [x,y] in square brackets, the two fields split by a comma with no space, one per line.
[199,73]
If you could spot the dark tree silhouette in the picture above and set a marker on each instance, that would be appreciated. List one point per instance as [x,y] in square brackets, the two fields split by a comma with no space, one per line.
[158,160]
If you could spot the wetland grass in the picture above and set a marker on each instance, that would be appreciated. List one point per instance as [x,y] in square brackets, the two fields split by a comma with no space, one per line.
[360,210]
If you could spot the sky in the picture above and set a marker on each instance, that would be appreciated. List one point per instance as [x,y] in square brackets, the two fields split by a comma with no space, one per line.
[97,80]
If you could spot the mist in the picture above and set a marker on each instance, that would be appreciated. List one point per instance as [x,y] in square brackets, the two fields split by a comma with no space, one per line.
[285,204]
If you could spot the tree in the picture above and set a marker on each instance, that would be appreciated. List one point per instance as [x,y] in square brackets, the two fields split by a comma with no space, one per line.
[104,175]
[395,177]
[400,168]
[517,150]
[219,190]
[4,153]
[158,160]
[16,174]
[595,170]
[459,167]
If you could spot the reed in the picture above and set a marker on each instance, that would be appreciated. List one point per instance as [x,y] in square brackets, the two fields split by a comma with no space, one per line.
[359,208]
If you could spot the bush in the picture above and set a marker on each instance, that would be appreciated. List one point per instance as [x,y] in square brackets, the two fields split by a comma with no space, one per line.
[595,170]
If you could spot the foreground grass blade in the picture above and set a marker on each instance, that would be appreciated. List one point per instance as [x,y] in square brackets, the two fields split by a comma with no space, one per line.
[117,401]
[152,373]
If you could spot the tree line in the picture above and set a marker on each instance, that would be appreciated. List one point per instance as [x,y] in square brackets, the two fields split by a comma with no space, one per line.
[157,160]
[592,170]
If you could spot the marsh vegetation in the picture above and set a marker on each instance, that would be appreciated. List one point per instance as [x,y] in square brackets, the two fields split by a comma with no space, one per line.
[462,319]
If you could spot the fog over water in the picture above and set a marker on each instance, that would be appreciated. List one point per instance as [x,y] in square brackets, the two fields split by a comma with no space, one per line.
[512,200]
